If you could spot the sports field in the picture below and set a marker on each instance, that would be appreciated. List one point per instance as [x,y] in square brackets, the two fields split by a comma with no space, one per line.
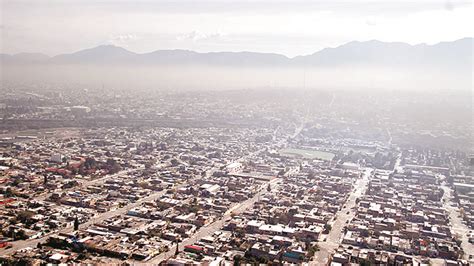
[308,154]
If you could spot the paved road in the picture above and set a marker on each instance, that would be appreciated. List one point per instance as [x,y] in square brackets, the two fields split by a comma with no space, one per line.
[97,219]
[216,225]
[22,244]
[333,238]
[239,208]
[457,225]
[389,137]
[88,183]
[397,167]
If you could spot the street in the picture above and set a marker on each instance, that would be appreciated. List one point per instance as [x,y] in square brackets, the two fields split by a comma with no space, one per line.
[216,225]
[459,228]
[206,230]
[333,238]
[17,245]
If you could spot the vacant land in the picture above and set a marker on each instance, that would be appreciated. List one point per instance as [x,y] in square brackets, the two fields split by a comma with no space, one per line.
[309,154]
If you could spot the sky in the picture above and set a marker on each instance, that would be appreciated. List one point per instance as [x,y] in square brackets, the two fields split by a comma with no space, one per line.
[286,27]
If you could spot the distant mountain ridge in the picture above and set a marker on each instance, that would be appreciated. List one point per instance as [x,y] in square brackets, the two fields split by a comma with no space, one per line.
[446,54]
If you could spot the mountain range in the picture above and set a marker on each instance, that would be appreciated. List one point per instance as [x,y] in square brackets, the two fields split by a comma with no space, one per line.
[455,54]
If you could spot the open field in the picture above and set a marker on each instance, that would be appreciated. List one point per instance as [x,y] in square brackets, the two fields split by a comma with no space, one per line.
[308,154]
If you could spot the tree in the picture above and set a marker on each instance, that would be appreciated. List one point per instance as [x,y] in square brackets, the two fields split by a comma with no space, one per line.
[263,260]
[17,234]
[174,162]
[25,216]
[177,247]
[281,172]
[76,224]
[312,250]
[113,166]
[90,163]
[327,228]
[9,192]
[237,260]
[239,233]
[16,182]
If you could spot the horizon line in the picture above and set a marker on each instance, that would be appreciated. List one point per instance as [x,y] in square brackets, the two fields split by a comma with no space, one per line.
[242,51]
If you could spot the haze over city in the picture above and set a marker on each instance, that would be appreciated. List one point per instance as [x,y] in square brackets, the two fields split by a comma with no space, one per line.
[236,132]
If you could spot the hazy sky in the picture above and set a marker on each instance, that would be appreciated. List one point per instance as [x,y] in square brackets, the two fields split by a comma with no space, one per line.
[287,27]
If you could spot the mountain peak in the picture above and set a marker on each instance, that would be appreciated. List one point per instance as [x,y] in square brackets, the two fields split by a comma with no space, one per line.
[99,54]
[375,52]
[106,48]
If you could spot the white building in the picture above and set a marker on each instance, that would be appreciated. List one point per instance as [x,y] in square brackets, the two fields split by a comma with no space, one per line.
[56,157]
[234,167]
